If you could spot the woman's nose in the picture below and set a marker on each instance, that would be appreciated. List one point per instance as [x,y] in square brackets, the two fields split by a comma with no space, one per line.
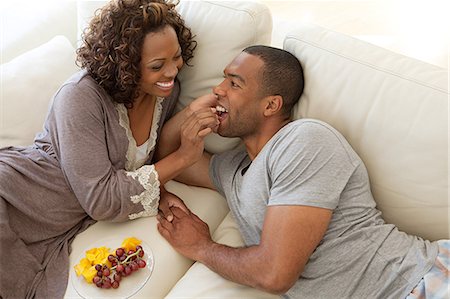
[171,71]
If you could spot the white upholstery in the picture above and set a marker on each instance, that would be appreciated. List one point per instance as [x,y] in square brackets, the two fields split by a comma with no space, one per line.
[394,112]
[24,96]
[232,25]
[392,109]
[169,265]
[29,24]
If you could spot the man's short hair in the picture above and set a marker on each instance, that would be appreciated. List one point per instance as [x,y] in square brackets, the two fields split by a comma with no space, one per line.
[282,75]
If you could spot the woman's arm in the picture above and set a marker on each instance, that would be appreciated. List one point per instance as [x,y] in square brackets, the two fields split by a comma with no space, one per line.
[105,192]
[170,136]
[190,142]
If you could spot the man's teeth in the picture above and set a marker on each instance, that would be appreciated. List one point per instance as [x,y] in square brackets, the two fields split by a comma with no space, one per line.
[221,109]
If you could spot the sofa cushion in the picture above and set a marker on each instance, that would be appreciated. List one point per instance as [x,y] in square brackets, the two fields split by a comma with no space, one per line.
[169,266]
[25,27]
[223,31]
[201,282]
[28,84]
[393,111]
[218,42]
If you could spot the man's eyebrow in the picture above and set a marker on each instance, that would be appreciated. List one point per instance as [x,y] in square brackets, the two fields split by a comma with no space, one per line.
[236,76]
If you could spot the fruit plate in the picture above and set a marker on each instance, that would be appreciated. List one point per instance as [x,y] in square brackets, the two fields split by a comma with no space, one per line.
[129,285]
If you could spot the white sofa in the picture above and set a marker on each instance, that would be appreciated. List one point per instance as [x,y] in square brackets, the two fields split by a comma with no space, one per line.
[391,108]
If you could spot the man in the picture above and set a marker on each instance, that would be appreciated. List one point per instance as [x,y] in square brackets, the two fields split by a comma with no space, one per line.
[298,191]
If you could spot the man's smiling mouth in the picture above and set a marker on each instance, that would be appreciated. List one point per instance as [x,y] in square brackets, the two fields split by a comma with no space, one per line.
[220,110]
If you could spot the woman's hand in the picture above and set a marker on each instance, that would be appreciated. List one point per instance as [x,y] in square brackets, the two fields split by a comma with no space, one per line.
[167,201]
[205,101]
[193,131]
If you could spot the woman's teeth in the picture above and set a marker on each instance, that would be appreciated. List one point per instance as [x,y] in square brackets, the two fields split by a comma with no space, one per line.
[165,84]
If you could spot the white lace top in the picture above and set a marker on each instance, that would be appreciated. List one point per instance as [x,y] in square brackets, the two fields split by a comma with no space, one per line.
[136,158]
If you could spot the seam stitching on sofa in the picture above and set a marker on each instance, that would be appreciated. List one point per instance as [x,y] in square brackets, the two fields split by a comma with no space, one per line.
[248,11]
[252,14]
[365,63]
[253,17]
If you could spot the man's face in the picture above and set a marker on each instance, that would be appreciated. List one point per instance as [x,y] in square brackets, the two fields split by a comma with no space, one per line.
[239,94]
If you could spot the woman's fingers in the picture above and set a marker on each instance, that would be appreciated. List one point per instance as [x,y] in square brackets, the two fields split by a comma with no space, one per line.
[199,121]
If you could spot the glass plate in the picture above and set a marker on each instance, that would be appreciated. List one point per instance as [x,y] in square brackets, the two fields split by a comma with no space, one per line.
[129,285]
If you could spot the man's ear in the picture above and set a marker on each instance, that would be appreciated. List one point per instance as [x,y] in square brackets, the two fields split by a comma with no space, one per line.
[273,105]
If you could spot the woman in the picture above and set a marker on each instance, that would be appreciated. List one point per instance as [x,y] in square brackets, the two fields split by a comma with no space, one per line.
[94,159]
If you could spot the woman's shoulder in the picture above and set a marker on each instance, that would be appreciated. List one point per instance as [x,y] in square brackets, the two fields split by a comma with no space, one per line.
[81,82]
[81,92]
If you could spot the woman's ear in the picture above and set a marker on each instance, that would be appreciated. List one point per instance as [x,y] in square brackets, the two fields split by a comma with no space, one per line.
[273,105]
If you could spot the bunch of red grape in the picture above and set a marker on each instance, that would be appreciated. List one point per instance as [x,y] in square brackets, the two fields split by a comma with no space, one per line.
[122,264]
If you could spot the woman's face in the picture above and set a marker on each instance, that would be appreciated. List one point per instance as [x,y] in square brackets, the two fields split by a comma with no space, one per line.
[160,62]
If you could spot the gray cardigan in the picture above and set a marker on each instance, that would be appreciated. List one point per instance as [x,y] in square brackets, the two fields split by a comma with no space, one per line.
[74,174]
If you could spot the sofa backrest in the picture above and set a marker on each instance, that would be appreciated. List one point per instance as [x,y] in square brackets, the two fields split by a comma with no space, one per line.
[236,25]
[27,91]
[29,24]
[219,40]
[394,112]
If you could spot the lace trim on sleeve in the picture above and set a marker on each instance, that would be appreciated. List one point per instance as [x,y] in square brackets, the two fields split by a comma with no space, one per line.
[149,198]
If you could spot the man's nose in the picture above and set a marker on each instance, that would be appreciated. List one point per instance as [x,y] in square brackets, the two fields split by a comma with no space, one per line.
[218,90]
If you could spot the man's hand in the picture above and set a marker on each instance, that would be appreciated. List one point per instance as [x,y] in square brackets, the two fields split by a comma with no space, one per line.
[284,248]
[187,233]
[167,201]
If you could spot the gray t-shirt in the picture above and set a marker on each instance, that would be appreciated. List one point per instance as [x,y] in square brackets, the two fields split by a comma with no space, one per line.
[309,163]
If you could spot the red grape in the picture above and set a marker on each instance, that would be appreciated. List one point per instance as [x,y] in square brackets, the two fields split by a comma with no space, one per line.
[120,268]
[120,252]
[115,284]
[134,266]
[142,264]
[122,264]
[106,272]
[96,279]
[127,270]
[117,277]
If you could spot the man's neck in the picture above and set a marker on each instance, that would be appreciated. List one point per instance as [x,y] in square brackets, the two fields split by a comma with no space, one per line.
[254,144]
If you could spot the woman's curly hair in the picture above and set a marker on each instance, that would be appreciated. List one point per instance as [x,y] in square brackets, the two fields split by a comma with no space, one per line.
[112,43]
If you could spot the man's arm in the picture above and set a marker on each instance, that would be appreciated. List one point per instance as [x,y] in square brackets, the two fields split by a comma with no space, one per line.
[290,235]
[198,174]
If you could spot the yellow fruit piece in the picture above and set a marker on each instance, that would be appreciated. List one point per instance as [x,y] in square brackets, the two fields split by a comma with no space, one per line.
[80,267]
[130,243]
[98,255]
[89,274]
